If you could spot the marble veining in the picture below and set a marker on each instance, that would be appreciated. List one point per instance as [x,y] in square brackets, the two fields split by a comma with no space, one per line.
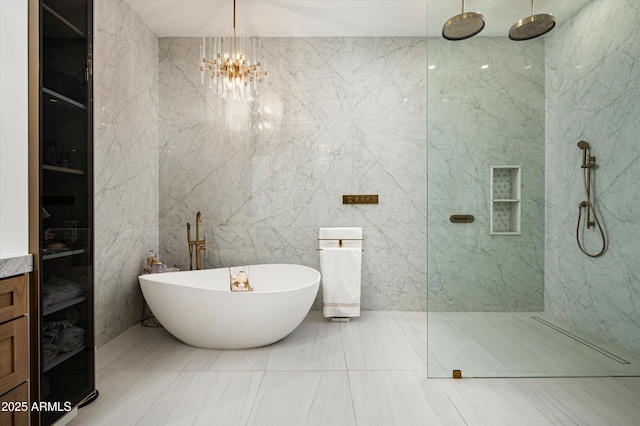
[126,162]
[339,116]
[486,108]
[11,265]
[592,91]
[147,377]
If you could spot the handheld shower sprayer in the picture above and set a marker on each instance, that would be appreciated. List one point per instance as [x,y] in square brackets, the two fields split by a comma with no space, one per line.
[588,163]
[584,146]
[587,160]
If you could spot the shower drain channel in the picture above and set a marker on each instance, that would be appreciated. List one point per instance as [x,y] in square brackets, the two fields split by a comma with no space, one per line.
[582,341]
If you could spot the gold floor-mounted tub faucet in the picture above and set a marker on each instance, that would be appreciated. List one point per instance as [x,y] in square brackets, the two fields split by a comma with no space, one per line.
[197,244]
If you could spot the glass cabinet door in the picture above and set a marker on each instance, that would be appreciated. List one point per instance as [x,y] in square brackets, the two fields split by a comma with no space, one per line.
[66,207]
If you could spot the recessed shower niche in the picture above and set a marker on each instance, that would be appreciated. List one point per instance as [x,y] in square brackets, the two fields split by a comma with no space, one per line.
[504,214]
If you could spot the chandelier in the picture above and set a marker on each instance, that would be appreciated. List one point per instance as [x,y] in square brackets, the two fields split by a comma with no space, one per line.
[232,63]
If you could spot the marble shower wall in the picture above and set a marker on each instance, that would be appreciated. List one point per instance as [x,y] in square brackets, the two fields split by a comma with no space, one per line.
[340,116]
[126,162]
[593,94]
[479,117]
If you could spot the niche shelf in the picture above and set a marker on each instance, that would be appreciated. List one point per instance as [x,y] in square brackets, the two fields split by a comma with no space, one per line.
[505,205]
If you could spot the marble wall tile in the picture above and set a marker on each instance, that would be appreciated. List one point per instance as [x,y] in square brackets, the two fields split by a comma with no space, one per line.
[316,76]
[389,81]
[592,81]
[182,95]
[267,174]
[479,118]
[126,162]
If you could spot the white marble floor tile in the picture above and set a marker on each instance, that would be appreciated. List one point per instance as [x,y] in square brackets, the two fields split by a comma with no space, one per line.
[494,402]
[315,345]
[604,354]
[631,385]
[135,344]
[125,396]
[534,348]
[451,347]
[484,344]
[414,326]
[109,352]
[206,398]
[400,398]
[172,355]
[229,360]
[146,376]
[588,400]
[376,342]
[303,398]
[101,374]
[520,347]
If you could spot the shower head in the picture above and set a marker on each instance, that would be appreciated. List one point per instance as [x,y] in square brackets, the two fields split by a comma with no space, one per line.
[583,145]
[463,26]
[532,26]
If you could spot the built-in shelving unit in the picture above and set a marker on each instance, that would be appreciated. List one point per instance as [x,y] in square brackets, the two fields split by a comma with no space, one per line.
[505,205]
[62,254]
[61,305]
[62,169]
[54,97]
[63,357]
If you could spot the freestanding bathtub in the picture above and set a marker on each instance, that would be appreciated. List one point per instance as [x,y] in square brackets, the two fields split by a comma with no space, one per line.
[198,308]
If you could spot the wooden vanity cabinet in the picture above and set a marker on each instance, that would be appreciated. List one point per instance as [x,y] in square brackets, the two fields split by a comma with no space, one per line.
[14,351]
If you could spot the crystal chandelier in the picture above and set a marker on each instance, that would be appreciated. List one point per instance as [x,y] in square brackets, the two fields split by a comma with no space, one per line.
[232,63]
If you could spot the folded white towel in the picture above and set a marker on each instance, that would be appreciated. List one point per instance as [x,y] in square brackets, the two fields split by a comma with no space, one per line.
[341,273]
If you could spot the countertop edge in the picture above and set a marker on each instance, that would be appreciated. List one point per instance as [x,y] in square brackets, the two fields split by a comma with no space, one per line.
[17,264]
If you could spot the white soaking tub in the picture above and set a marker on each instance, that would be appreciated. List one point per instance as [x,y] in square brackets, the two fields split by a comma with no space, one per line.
[198,308]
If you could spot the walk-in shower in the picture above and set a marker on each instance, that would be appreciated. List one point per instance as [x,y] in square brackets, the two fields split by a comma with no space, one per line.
[591,220]
[527,301]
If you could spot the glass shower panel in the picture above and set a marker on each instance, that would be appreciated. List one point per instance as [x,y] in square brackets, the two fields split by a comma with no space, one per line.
[486,111]
[495,110]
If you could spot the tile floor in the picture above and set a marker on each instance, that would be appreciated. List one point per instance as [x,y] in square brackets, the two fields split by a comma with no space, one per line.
[370,371]
[514,344]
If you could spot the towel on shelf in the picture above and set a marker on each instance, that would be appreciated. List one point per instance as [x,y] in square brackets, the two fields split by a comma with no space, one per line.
[341,271]
[70,339]
[57,289]
[50,335]
[49,352]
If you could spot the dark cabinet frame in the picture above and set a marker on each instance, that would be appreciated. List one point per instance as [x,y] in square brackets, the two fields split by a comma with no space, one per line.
[61,223]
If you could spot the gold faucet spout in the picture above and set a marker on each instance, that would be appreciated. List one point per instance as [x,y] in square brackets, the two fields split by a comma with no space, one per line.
[198,244]
[198,222]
